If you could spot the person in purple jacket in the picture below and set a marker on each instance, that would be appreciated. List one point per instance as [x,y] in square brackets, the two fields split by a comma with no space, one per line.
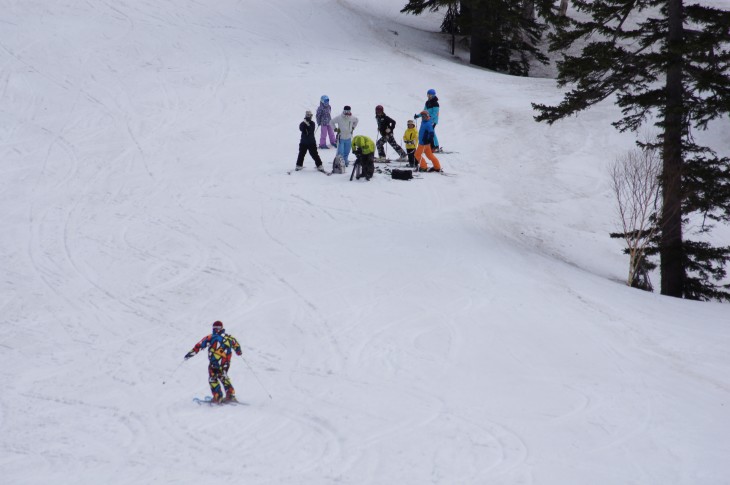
[324,119]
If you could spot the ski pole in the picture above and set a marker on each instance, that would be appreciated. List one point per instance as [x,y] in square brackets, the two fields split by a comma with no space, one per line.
[377,137]
[257,377]
[173,372]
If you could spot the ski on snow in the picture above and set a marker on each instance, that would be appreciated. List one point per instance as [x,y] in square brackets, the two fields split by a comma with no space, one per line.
[209,401]
[416,171]
[289,172]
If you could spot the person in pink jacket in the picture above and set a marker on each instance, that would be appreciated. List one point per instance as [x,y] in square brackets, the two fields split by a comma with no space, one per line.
[324,120]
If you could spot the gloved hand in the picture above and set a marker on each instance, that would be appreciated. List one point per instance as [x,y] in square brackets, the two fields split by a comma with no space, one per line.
[434,125]
[337,130]
[189,354]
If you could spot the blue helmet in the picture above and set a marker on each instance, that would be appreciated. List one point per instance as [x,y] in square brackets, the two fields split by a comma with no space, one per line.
[325,99]
[432,92]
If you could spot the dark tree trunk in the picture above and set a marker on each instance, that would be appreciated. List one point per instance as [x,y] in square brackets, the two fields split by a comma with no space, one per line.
[671,252]
[563,8]
[481,48]
[528,9]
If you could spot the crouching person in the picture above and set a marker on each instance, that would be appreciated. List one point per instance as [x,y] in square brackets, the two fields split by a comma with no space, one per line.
[364,149]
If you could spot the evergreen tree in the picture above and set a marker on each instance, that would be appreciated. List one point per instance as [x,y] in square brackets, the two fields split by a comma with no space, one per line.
[504,33]
[450,24]
[672,65]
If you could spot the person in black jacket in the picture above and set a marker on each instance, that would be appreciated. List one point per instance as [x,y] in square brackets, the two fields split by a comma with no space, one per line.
[308,143]
[386,125]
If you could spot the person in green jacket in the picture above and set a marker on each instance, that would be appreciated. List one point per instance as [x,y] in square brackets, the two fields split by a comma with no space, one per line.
[364,149]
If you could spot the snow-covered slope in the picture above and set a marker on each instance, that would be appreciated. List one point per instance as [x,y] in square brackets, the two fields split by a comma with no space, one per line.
[471,329]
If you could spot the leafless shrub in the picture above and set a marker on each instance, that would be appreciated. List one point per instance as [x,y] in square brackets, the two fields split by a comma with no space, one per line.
[635,180]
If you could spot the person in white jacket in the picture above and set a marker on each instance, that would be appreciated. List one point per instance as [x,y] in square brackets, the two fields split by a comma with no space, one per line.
[344,125]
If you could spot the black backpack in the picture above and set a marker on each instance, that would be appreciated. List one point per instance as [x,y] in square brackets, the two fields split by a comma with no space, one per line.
[400,174]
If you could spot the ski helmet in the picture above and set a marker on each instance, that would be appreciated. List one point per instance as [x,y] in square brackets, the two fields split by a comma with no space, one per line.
[217,326]
[308,114]
[325,98]
[425,114]
[431,92]
[411,122]
[379,109]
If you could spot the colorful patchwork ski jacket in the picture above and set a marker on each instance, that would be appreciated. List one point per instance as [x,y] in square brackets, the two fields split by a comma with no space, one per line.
[220,348]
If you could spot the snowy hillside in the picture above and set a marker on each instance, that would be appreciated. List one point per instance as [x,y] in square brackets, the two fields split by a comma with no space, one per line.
[472,329]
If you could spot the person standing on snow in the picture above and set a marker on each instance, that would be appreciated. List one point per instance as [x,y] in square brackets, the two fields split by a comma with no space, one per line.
[386,125]
[324,118]
[425,137]
[307,143]
[410,139]
[220,347]
[345,125]
[432,107]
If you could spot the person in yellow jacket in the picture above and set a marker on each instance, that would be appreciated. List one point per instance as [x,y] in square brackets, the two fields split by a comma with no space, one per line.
[410,140]
[364,149]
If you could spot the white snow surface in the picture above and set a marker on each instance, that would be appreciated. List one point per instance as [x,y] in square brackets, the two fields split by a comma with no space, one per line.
[473,329]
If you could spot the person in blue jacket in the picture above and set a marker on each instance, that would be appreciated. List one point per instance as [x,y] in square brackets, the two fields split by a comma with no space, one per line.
[425,137]
[432,107]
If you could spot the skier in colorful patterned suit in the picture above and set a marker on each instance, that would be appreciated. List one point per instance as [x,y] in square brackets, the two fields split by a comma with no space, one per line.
[220,347]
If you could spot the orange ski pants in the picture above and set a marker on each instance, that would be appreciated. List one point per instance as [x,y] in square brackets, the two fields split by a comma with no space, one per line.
[426,149]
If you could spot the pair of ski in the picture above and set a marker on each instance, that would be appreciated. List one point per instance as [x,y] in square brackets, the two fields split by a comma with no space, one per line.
[418,172]
[209,401]
[391,160]
[323,171]
[289,172]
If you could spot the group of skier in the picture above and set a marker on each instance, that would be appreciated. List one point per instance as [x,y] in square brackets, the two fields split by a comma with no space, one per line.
[420,145]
